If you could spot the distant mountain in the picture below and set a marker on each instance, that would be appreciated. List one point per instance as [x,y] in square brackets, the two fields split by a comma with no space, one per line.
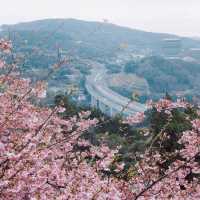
[88,39]
[84,41]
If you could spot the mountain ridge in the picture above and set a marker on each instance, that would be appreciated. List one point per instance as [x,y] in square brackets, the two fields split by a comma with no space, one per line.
[73,20]
[99,33]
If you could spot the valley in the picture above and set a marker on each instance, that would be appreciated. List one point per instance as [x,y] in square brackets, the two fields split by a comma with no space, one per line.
[139,65]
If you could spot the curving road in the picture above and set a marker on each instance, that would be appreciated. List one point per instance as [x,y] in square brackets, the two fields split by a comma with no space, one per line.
[97,88]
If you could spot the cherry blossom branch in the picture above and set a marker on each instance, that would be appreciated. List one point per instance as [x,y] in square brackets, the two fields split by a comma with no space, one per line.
[15,110]
[165,176]
[158,135]
[55,185]
[40,128]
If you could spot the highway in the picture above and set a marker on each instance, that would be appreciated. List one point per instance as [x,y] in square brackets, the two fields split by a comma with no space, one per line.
[97,87]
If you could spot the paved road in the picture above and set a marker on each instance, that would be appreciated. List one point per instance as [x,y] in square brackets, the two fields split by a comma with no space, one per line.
[97,87]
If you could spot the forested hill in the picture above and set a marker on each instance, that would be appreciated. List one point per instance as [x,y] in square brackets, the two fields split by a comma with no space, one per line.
[163,75]
[88,38]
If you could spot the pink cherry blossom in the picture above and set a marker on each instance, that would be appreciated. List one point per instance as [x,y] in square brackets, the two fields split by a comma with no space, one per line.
[2,63]
[5,45]
[135,119]
[43,156]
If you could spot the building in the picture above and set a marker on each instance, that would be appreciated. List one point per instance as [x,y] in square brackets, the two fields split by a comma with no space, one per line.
[171,47]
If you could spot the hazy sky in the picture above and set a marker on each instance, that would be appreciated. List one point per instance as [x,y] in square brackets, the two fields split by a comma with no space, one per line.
[173,16]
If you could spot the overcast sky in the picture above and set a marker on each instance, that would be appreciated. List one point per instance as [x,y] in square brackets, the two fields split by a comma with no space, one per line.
[173,16]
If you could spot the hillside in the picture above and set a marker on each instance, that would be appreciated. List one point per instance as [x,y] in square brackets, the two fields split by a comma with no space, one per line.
[163,75]
[41,43]
[88,39]
[64,151]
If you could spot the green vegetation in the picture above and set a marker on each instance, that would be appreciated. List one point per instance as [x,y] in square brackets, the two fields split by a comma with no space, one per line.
[39,41]
[163,131]
[167,75]
[95,39]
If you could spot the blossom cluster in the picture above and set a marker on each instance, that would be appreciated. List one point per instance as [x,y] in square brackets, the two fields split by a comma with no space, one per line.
[167,105]
[43,156]
[39,158]
[135,119]
[5,45]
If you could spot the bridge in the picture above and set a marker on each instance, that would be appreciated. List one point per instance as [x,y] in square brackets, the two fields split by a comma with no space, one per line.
[105,99]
